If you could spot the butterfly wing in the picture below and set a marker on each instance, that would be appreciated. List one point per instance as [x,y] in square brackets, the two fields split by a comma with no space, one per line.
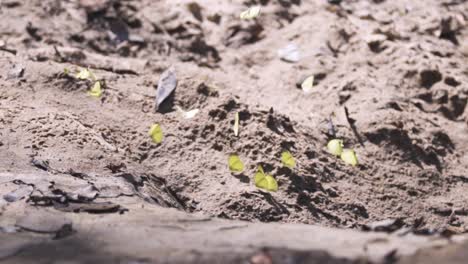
[272,184]
[308,84]
[335,147]
[288,159]
[235,163]
[156,133]
[96,90]
[349,157]
[259,176]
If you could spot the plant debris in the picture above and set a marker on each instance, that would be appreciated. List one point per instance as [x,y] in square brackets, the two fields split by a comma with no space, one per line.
[236,124]
[166,85]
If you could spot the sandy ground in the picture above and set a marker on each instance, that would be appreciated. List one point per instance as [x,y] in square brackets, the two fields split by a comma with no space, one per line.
[391,76]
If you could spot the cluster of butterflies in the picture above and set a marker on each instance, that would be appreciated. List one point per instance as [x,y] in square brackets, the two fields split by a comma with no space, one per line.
[267,182]
[335,146]
[262,180]
[87,74]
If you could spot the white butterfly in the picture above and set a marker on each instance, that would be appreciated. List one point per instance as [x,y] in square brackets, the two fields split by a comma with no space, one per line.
[250,13]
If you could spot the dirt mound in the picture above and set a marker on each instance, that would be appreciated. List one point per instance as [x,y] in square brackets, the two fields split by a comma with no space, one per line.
[391,75]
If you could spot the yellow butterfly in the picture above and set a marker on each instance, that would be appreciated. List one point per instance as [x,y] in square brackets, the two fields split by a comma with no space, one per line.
[349,157]
[265,181]
[335,147]
[235,163]
[156,133]
[288,159]
[96,91]
[85,74]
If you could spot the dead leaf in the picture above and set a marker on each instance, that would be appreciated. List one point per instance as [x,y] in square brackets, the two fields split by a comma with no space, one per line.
[196,10]
[166,85]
